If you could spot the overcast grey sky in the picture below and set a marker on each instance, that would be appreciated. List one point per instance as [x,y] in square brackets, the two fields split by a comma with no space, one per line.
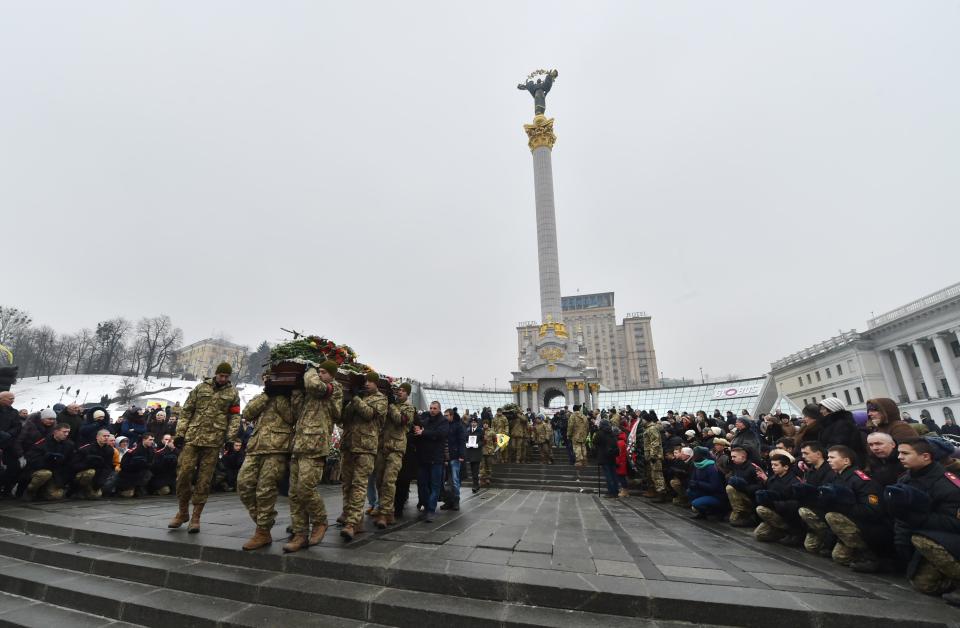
[755,175]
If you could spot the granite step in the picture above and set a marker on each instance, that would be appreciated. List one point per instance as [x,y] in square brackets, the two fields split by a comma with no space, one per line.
[16,610]
[130,585]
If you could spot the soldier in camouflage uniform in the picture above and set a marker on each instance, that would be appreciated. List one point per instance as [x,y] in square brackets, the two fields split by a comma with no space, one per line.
[654,484]
[543,435]
[210,417]
[489,454]
[273,413]
[577,431]
[519,438]
[393,444]
[363,419]
[322,404]
[501,426]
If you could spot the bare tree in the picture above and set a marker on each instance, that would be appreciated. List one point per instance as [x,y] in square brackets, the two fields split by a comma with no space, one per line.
[83,348]
[13,322]
[109,343]
[160,339]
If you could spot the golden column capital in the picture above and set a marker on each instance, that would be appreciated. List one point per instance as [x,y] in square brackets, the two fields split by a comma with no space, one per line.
[534,386]
[540,133]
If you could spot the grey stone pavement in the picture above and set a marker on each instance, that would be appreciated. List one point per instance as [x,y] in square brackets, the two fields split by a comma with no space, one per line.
[628,547]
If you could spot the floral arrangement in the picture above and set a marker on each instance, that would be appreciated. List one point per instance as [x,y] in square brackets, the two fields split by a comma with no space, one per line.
[314,349]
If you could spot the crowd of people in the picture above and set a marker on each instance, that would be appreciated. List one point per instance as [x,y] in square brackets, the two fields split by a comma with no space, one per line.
[877,494]
[881,494]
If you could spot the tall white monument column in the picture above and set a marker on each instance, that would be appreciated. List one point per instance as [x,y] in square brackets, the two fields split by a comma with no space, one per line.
[889,377]
[541,144]
[905,374]
[926,369]
[946,361]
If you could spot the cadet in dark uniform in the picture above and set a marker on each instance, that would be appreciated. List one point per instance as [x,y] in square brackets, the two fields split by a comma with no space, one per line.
[925,504]
[818,539]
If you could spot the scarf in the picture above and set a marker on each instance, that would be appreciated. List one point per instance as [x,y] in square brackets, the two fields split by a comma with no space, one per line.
[703,464]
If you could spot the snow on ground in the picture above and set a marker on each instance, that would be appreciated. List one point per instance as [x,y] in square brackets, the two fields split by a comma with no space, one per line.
[37,393]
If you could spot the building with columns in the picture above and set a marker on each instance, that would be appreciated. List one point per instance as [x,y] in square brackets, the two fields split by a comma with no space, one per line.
[910,354]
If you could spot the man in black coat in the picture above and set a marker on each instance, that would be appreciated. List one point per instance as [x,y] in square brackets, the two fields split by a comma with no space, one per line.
[744,480]
[430,439]
[455,458]
[135,467]
[854,513]
[816,473]
[93,467]
[10,448]
[163,472]
[925,504]
[883,463]
[836,426]
[49,467]
[72,416]
[473,450]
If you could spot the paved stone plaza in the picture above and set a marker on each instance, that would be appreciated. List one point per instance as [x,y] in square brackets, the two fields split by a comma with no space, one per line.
[555,557]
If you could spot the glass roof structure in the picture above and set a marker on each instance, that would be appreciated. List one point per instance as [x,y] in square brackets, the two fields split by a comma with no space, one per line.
[744,394]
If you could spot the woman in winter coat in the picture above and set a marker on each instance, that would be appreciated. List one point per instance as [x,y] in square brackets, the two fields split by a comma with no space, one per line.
[884,416]
[706,488]
[622,463]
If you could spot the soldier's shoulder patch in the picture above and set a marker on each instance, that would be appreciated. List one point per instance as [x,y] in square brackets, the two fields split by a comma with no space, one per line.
[954,479]
[873,499]
[862,475]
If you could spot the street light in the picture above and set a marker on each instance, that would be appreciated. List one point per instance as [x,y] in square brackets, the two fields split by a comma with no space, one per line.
[433,383]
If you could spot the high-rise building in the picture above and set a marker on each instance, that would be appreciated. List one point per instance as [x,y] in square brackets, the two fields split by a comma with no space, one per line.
[623,354]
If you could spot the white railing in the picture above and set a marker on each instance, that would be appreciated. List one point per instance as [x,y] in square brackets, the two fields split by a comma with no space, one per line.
[821,347]
[931,299]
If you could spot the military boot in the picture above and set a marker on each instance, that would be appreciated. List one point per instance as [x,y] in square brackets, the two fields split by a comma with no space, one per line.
[260,538]
[649,493]
[381,521]
[319,529]
[390,519]
[194,526]
[182,514]
[297,543]
[348,532]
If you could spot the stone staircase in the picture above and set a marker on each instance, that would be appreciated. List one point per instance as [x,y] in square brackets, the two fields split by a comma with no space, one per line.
[559,476]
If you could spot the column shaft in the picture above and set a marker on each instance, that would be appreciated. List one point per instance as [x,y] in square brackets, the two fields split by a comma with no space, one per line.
[946,361]
[905,374]
[547,254]
[889,377]
[926,369]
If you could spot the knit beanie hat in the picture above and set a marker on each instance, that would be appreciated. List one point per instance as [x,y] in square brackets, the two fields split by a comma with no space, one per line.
[225,368]
[47,413]
[99,414]
[406,387]
[330,367]
[833,404]
[372,376]
[700,453]
[942,448]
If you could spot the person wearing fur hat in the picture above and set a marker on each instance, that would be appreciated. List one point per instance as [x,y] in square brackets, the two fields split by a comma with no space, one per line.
[884,416]
[210,417]
[362,418]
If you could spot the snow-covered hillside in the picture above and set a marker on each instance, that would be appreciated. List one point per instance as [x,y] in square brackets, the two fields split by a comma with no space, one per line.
[36,394]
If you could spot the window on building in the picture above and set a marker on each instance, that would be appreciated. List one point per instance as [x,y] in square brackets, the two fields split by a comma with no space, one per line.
[834,395]
[916,362]
[817,373]
[934,354]
[839,370]
[926,393]
[846,395]
[945,385]
[800,381]
[808,378]
[829,375]
[859,394]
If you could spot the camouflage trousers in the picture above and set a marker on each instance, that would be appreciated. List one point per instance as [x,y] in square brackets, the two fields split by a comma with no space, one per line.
[546,452]
[486,467]
[850,543]
[518,447]
[681,498]
[306,505]
[653,476]
[772,526]
[818,533]
[938,571]
[94,480]
[386,471]
[580,452]
[356,470]
[741,506]
[199,461]
[42,485]
[258,482]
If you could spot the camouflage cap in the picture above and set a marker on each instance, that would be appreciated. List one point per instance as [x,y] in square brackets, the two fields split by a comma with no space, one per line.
[406,387]
[330,367]
[372,376]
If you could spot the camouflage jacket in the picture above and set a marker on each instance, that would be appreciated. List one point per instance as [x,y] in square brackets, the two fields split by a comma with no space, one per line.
[489,442]
[543,433]
[211,415]
[274,417]
[399,418]
[652,443]
[577,427]
[321,408]
[500,424]
[518,429]
[363,420]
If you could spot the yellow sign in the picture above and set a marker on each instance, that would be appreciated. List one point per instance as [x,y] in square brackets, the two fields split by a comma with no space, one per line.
[502,440]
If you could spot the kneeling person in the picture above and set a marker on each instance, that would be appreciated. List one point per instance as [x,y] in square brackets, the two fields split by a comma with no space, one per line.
[135,475]
[49,465]
[94,467]
[777,507]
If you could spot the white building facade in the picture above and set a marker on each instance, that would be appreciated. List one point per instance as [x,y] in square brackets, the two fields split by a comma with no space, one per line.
[910,354]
